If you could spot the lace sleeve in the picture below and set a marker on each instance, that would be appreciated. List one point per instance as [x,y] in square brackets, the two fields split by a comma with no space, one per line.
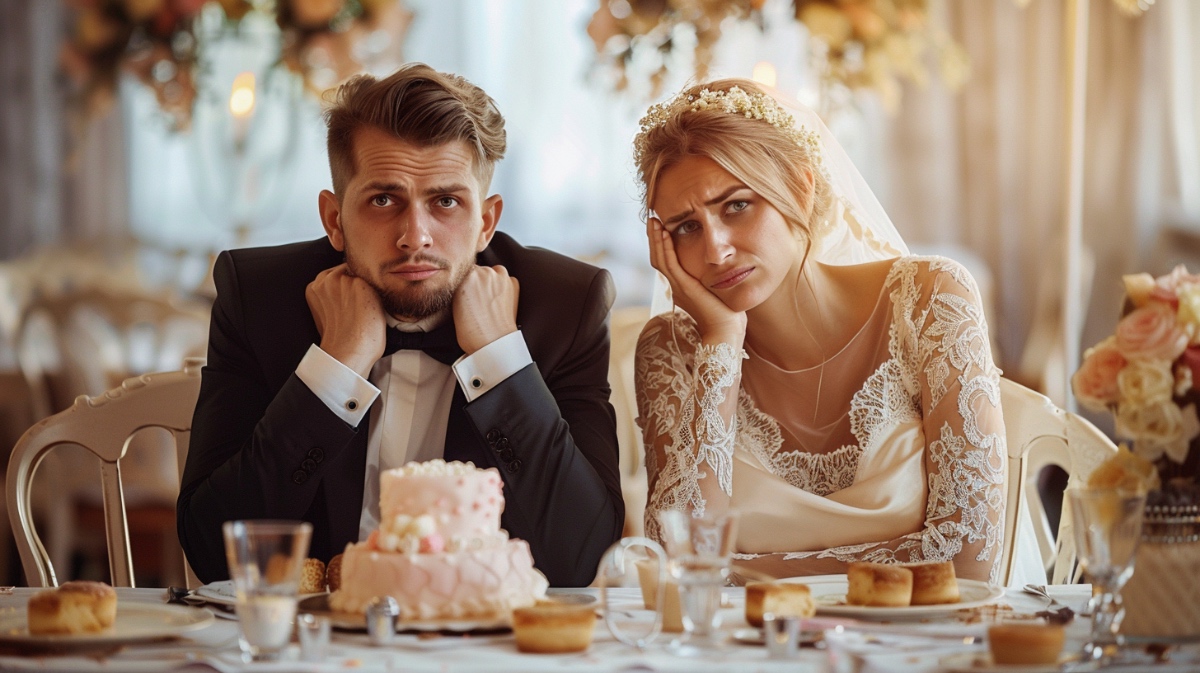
[943,342]
[687,400]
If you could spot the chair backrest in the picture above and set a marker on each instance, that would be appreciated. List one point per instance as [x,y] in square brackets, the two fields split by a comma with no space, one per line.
[1038,434]
[626,327]
[103,425]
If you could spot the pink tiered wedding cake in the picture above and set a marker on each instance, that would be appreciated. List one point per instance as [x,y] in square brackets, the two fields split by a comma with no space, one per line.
[439,550]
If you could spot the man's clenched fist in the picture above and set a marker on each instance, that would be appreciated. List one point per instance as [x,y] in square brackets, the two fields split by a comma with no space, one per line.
[485,307]
[349,318]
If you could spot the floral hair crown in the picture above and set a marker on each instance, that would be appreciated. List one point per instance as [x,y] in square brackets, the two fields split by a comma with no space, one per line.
[733,101]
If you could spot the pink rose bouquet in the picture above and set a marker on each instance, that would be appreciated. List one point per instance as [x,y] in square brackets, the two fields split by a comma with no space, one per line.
[1146,375]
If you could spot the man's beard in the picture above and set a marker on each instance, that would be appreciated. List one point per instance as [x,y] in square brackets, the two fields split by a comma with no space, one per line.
[420,299]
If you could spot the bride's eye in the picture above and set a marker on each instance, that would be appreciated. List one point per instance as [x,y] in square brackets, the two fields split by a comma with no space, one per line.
[686,227]
[738,206]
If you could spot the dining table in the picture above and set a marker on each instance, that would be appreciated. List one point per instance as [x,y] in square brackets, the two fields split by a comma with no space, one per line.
[947,641]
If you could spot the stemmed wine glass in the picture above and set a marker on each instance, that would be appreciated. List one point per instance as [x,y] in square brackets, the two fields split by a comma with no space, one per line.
[699,557]
[1108,527]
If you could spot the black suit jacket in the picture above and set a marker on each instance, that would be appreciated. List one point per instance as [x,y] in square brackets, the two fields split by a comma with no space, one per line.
[263,446]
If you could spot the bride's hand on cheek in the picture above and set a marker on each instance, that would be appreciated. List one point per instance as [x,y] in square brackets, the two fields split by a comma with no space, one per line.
[716,321]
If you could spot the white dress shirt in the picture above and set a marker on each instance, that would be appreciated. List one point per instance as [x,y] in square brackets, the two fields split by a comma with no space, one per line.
[406,426]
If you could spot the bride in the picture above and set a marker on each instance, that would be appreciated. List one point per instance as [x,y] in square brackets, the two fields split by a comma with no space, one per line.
[837,392]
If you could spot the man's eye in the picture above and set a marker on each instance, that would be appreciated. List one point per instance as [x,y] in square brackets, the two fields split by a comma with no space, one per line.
[381,200]
[447,202]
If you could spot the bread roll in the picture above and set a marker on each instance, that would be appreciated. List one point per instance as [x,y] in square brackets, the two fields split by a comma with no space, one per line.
[74,607]
[780,599]
[552,628]
[333,573]
[879,585]
[312,577]
[1036,643]
[933,583]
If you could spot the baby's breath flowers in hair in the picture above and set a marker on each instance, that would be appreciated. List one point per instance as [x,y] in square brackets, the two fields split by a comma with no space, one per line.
[735,100]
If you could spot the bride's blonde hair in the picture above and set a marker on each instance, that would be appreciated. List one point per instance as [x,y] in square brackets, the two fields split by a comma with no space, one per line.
[768,160]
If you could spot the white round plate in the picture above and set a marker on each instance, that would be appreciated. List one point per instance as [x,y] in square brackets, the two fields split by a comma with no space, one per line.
[224,593]
[753,636]
[981,662]
[829,593]
[135,622]
[319,605]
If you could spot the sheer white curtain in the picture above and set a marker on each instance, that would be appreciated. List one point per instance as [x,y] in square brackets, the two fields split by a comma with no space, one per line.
[984,168]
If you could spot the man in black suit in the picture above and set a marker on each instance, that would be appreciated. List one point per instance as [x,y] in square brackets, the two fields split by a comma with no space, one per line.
[405,335]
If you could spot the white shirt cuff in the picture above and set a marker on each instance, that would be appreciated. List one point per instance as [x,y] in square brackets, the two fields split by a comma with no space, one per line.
[489,366]
[341,389]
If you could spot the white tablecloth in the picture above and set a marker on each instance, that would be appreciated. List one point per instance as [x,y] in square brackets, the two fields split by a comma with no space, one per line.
[215,648]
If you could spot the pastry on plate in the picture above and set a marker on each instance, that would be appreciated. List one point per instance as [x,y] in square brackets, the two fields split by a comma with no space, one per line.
[1034,643]
[73,608]
[552,628]
[879,585]
[933,583]
[778,598]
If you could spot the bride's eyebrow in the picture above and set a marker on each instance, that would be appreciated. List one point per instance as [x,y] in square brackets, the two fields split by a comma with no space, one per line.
[713,201]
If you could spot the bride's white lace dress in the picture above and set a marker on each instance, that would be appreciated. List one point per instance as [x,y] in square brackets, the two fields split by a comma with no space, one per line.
[901,457]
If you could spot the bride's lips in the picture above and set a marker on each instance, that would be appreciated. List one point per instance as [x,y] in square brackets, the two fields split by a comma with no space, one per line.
[732,278]
[420,272]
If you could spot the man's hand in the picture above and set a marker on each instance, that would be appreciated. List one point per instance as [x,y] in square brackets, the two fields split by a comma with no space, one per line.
[349,318]
[485,307]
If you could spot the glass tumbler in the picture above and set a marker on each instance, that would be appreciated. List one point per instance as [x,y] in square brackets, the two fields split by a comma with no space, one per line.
[265,560]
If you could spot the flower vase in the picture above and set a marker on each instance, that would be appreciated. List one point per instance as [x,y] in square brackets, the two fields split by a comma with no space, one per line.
[1162,599]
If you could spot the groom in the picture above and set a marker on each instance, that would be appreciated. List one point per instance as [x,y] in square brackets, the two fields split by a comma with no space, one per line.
[413,331]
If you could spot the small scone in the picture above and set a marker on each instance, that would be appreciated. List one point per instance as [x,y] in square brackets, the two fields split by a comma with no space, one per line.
[74,607]
[312,577]
[1025,643]
[879,585]
[333,573]
[933,583]
[551,628]
[780,599]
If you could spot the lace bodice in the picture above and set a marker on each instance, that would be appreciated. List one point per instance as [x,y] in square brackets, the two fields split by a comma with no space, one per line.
[935,388]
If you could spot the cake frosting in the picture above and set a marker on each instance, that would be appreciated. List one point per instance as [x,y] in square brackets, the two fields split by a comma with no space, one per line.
[439,550]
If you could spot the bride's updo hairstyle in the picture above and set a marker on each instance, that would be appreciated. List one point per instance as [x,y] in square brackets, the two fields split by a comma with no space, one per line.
[745,131]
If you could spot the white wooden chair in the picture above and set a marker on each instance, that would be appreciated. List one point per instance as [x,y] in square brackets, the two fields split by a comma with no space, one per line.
[1041,434]
[104,425]
[626,326]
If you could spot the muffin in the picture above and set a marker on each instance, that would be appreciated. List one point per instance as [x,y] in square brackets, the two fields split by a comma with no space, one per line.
[1034,643]
[780,599]
[74,607]
[879,585]
[553,628]
[312,577]
[333,573]
[933,583]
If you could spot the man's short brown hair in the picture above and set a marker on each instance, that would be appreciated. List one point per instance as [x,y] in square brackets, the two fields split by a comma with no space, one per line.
[417,104]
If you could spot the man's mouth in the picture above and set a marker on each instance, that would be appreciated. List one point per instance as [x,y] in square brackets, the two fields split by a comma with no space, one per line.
[414,272]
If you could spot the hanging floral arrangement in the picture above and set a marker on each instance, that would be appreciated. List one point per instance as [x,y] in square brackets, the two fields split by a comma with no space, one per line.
[324,41]
[152,39]
[861,43]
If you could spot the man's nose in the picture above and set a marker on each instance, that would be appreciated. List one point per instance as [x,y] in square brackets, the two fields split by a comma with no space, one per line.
[415,230]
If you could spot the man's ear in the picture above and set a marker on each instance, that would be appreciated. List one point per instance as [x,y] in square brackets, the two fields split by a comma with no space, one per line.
[492,207]
[331,219]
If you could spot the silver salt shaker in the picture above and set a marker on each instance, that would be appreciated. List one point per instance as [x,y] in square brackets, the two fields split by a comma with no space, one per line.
[381,620]
[782,635]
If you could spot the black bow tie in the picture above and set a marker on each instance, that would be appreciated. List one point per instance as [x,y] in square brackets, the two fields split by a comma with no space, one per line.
[440,344]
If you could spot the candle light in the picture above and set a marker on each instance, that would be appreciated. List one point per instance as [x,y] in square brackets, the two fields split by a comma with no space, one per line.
[241,106]
[764,73]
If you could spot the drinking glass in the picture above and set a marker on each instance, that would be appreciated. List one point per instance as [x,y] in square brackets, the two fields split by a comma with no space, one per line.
[630,562]
[699,556]
[265,560]
[1108,526]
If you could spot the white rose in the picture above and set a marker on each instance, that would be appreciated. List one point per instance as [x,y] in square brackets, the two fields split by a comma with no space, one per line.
[1146,383]
[1159,428]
